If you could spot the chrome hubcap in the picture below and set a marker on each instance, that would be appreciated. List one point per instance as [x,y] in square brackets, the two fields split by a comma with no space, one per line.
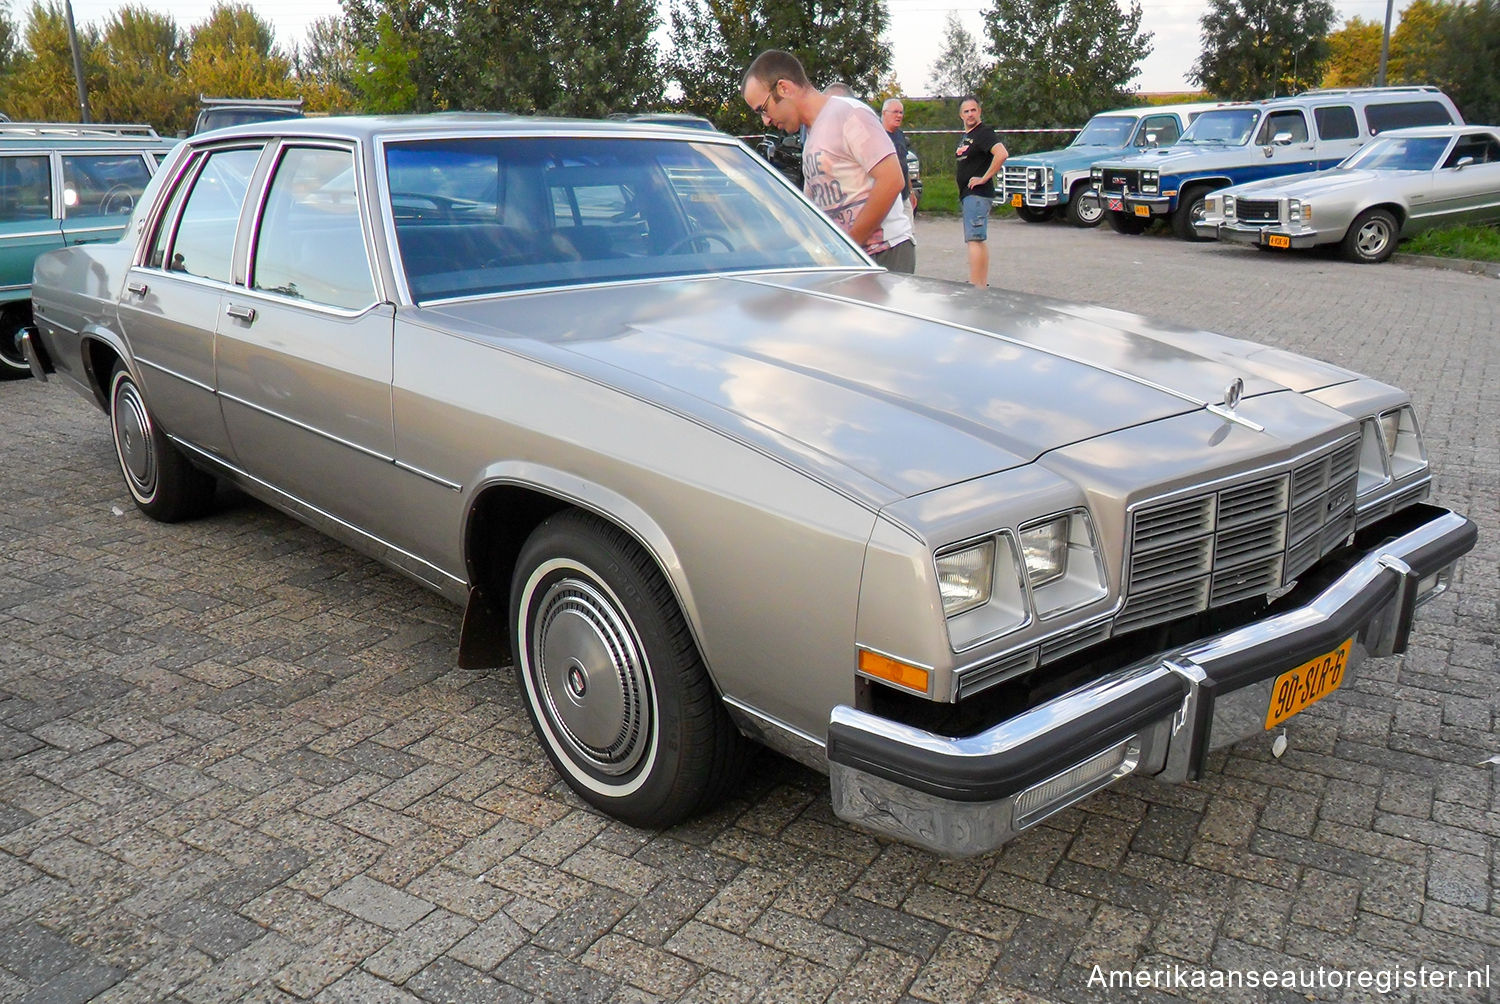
[591,676]
[133,440]
[1089,208]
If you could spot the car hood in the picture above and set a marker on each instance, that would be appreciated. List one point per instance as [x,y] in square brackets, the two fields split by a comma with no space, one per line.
[1323,183]
[1068,158]
[1172,158]
[888,385]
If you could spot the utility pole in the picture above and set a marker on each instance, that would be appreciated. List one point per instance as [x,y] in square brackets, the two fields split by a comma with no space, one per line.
[1385,44]
[83,91]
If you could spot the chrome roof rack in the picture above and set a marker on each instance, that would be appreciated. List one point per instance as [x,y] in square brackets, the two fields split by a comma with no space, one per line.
[24,130]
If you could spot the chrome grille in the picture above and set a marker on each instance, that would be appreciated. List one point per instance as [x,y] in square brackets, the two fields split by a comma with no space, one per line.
[1257,210]
[1237,542]
[1118,179]
[1014,178]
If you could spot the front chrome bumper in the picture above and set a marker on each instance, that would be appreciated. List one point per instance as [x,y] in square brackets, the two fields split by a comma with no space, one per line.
[1159,717]
[1241,233]
[1157,205]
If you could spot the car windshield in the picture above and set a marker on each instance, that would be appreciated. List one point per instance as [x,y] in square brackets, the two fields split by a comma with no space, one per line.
[1106,130]
[1225,125]
[486,215]
[1398,153]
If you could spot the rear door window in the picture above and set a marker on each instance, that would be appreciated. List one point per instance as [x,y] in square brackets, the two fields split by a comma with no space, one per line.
[203,243]
[1336,122]
[25,188]
[103,184]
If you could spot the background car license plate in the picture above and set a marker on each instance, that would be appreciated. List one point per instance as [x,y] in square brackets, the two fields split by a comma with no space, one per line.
[1278,241]
[1015,200]
[1143,210]
[1309,683]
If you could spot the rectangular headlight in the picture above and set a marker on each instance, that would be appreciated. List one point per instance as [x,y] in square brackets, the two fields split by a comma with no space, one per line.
[1045,549]
[1402,442]
[966,578]
[1150,180]
[1063,566]
[1229,207]
[1096,175]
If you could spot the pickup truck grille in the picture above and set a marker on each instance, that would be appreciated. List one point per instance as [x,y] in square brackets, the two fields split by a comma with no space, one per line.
[1237,542]
[1118,179]
[1257,211]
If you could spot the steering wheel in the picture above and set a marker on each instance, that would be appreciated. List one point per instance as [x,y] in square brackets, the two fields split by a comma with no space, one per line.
[704,236]
[119,200]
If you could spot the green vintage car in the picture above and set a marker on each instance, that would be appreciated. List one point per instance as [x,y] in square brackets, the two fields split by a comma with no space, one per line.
[62,184]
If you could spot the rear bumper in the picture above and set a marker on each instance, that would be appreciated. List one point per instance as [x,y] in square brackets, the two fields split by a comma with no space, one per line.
[1159,717]
[32,351]
[1241,233]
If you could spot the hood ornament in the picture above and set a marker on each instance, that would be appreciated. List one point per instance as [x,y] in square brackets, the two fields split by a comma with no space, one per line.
[1227,411]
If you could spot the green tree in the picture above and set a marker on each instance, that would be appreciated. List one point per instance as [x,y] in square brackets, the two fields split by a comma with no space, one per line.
[1353,54]
[42,87]
[564,57]
[714,41]
[1464,65]
[1262,48]
[328,53]
[1417,42]
[1057,62]
[7,41]
[233,54]
[384,74]
[144,52]
[959,67]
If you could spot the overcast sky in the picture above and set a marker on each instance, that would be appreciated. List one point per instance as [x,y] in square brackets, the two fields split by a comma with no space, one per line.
[915,29]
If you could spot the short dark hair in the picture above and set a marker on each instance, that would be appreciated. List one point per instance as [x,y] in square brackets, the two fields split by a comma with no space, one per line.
[967,98]
[773,65]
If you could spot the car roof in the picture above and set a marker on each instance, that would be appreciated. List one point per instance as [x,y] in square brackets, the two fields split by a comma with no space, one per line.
[369,127]
[1191,106]
[1444,131]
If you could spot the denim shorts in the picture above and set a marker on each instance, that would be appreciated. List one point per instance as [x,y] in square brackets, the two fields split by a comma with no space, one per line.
[977,217]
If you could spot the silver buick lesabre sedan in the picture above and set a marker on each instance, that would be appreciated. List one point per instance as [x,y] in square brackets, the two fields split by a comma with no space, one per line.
[1405,181]
[703,474]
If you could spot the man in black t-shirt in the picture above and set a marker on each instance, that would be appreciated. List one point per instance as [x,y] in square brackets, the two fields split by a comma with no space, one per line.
[980,155]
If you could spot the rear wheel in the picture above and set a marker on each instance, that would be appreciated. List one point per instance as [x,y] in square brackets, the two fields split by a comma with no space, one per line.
[13,365]
[161,481]
[1190,211]
[1371,237]
[1125,223]
[1085,208]
[612,679]
[1035,214]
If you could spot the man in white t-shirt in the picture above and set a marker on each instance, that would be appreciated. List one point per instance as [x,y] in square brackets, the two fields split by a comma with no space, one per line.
[849,165]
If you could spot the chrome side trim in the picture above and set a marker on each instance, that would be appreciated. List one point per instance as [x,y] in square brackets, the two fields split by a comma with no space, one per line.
[321,434]
[788,740]
[168,371]
[428,475]
[54,232]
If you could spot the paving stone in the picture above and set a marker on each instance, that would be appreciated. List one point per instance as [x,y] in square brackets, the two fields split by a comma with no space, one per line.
[378,903]
[453,982]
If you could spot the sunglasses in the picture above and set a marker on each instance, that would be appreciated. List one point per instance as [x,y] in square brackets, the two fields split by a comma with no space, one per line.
[772,96]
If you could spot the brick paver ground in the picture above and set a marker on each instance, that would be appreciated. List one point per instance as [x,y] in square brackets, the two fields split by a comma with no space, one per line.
[237,762]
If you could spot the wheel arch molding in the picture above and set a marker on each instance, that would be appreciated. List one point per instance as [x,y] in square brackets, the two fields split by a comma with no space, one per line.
[507,504]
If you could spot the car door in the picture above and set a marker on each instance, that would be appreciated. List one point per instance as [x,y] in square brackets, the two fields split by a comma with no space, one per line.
[100,191]
[1290,156]
[1471,193]
[1338,134]
[304,346]
[172,303]
[1158,131]
[28,225]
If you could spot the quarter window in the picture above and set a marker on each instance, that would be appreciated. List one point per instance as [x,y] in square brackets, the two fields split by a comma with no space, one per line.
[1482,147]
[1400,114]
[1336,122]
[311,244]
[203,244]
[103,184]
[25,189]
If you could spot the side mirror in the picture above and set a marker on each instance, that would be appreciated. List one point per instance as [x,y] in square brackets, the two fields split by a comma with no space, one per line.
[1151,139]
[1463,162]
[1282,139]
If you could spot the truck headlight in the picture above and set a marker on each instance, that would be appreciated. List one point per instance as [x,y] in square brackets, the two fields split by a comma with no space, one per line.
[1096,176]
[1150,181]
[966,577]
[1063,566]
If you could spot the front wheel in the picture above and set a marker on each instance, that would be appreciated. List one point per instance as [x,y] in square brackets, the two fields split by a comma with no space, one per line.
[612,679]
[1034,214]
[1371,238]
[1085,208]
[1190,209]
[1125,223]
[161,481]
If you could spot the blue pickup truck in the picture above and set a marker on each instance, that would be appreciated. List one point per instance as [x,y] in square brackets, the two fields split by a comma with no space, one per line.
[1244,142]
[1038,185]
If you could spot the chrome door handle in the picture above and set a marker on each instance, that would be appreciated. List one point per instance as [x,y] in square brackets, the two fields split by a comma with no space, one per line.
[138,288]
[246,314]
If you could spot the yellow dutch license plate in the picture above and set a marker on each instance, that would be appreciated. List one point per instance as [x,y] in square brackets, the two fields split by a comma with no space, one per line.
[1015,200]
[1143,210]
[1278,241]
[1308,684]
